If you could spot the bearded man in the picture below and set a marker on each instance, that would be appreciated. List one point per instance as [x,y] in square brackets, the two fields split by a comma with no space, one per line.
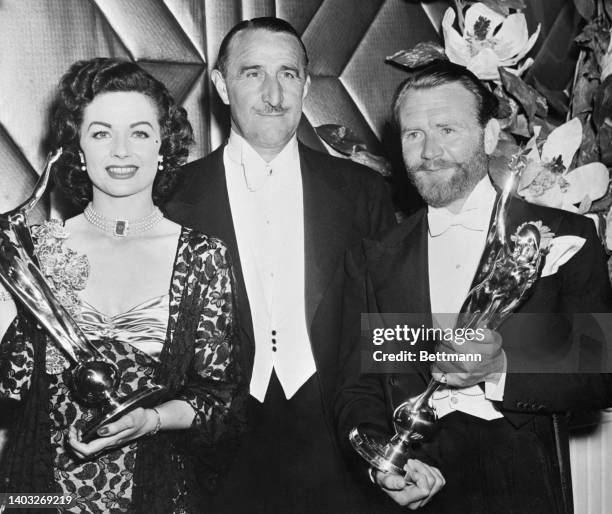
[502,444]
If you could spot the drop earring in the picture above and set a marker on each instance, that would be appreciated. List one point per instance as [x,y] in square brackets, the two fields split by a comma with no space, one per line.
[83,165]
[160,163]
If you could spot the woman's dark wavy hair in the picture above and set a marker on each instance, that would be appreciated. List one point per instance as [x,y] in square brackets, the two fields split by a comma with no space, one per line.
[78,87]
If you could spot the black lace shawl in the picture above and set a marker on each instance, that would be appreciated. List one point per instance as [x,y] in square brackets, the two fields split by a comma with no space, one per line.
[205,450]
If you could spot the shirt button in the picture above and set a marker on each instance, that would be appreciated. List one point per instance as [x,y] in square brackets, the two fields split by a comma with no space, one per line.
[273,332]
[274,348]
[273,341]
[454,400]
[457,266]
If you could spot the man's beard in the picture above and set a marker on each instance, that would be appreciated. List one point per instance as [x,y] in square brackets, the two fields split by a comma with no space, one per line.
[440,191]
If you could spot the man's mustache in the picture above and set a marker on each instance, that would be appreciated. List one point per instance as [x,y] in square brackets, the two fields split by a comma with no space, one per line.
[436,165]
[272,109]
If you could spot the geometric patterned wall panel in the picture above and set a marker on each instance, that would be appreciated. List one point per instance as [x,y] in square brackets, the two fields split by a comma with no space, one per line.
[178,40]
[352,84]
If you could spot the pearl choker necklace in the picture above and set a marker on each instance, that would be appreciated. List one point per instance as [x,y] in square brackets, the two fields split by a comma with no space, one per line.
[122,228]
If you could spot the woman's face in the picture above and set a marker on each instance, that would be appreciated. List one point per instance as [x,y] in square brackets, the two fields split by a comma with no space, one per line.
[120,138]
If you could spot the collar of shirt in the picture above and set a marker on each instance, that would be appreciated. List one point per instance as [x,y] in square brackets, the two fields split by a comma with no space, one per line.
[474,215]
[255,169]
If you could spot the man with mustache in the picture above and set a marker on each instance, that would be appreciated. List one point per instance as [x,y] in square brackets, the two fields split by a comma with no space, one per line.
[288,214]
[502,444]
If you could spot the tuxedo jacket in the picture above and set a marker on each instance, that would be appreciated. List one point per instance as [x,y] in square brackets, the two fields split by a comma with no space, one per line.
[389,274]
[343,202]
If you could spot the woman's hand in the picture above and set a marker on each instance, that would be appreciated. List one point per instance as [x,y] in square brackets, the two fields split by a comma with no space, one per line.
[133,425]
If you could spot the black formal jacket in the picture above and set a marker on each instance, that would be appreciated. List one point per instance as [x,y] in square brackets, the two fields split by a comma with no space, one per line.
[343,202]
[389,275]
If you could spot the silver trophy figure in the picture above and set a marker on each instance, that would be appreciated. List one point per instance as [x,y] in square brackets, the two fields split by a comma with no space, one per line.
[508,269]
[94,379]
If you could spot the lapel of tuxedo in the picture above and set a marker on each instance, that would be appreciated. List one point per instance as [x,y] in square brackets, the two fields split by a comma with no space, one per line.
[399,270]
[214,209]
[326,227]
[404,266]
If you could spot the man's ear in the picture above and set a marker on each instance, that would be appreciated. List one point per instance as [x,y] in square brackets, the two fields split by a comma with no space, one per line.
[491,135]
[220,85]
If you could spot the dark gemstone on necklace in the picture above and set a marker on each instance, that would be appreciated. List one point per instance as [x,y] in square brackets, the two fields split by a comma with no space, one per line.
[121,228]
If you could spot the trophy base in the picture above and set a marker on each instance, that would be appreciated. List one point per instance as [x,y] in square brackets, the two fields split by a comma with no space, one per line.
[376,453]
[142,398]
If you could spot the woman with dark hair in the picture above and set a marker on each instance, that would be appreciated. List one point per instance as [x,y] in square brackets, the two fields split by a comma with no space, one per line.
[155,297]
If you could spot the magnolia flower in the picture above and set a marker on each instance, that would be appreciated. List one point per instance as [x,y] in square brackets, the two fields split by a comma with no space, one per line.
[482,48]
[546,180]
[606,61]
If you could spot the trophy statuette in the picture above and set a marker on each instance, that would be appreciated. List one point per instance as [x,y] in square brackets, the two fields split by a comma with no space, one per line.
[94,379]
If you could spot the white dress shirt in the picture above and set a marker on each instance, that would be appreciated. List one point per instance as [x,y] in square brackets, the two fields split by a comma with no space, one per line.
[267,208]
[455,245]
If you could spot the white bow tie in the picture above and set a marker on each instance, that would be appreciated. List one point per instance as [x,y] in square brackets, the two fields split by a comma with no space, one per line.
[440,220]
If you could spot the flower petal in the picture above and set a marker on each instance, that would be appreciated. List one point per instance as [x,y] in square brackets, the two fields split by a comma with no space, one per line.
[589,180]
[523,67]
[564,141]
[570,207]
[531,171]
[512,37]
[534,163]
[480,10]
[530,43]
[484,65]
[552,197]
[457,49]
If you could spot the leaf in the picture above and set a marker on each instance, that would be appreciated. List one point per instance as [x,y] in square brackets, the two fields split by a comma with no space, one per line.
[603,204]
[375,162]
[586,8]
[503,6]
[530,100]
[604,138]
[585,87]
[520,127]
[507,109]
[589,148]
[607,230]
[419,55]
[340,138]
[608,8]
[602,104]
[557,100]
[499,160]
[596,37]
